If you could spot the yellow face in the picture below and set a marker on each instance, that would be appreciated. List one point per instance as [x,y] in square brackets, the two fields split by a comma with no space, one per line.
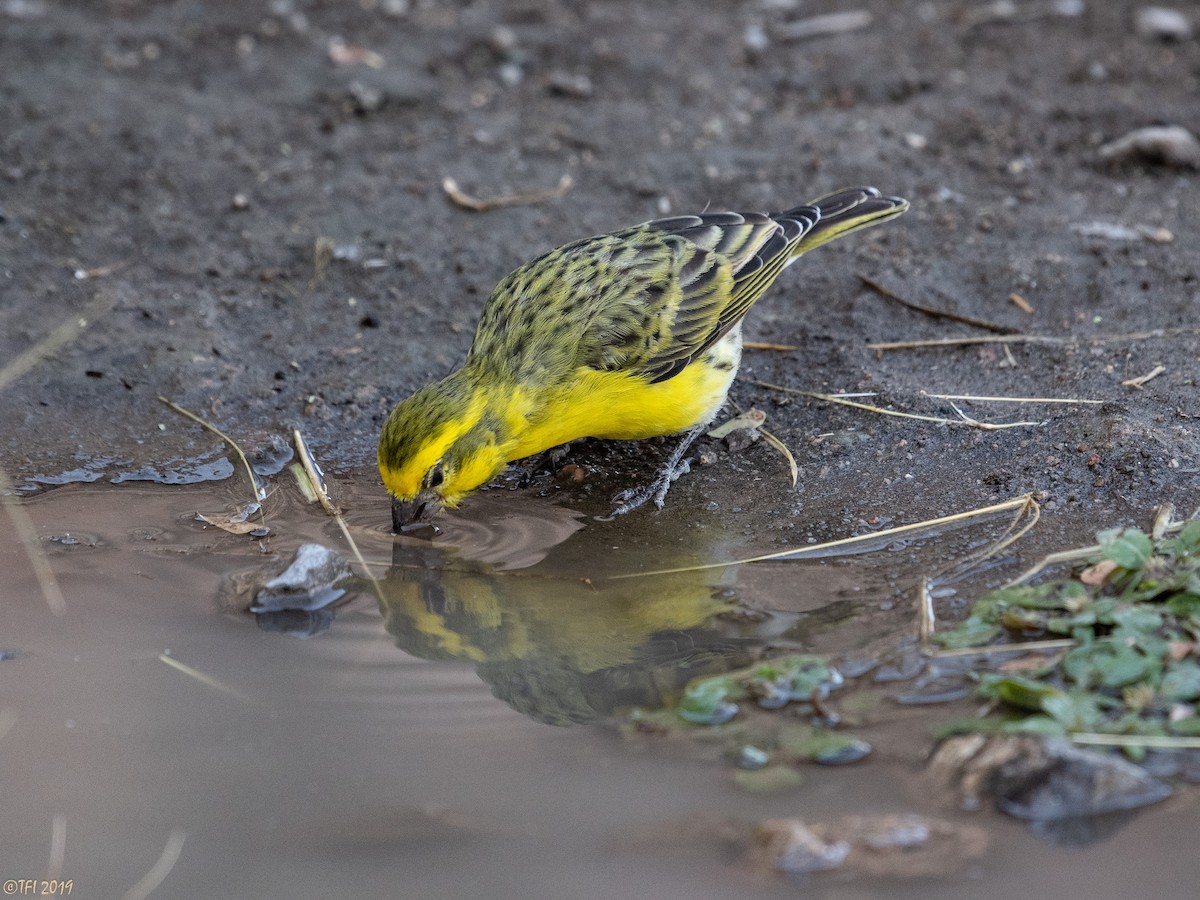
[449,478]
[434,450]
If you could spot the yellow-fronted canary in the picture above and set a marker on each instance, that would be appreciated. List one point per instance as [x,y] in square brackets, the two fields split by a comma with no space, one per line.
[624,336]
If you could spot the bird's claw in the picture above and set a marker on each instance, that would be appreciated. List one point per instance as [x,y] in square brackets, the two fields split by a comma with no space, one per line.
[631,498]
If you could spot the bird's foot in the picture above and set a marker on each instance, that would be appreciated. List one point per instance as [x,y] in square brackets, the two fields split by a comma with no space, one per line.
[630,499]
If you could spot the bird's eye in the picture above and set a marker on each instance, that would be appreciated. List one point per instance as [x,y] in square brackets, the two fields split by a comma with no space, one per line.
[436,477]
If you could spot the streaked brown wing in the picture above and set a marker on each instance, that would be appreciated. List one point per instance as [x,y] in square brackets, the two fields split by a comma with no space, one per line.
[727,260]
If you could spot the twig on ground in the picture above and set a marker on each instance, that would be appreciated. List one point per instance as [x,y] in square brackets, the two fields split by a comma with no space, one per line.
[1030,339]
[823,25]
[934,311]
[1020,303]
[1139,382]
[525,198]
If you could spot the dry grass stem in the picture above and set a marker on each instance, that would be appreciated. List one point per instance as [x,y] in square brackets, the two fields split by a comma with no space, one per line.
[57,339]
[823,25]
[316,478]
[1163,520]
[989,426]
[1020,303]
[934,311]
[886,534]
[27,534]
[926,618]
[1030,339]
[8,718]
[997,649]
[779,446]
[525,198]
[1023,522]
[260,493]
[160,870]
[977,398]
[1052,559]
[1153,741]
[1141,380]
[202,678]
[58,847]
[841,400]
[317,485]
[759,345]
[968,341]
[322,256]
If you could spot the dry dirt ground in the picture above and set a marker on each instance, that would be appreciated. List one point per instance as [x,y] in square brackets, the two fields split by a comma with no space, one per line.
[246,201]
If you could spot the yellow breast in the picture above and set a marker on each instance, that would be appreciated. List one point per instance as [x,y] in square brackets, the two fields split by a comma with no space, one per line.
[620,406]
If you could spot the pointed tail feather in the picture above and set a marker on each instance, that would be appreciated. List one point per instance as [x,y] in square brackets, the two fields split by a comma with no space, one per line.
[842,212]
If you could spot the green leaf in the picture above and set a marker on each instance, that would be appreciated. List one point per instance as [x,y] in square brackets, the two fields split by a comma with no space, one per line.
[975,725]
[1186,543]
[786,678]
[771,780]
[1016,690]
[706,701]
[1182,682]
[1075,598]
[1036,724]
[1138,618]
[1075,711]
[973,631]
[1040,596]
[1128,666]
[1129,548]
[1189,727]
[1108,663]
[1061,624]
[1185,606]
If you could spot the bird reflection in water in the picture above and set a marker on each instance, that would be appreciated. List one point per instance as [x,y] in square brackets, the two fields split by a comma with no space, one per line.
[557,638]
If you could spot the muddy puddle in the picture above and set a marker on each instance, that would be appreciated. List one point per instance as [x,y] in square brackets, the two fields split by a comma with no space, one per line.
[450,730]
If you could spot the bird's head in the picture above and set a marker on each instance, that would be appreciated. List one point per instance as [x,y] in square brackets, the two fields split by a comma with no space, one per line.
[435,449]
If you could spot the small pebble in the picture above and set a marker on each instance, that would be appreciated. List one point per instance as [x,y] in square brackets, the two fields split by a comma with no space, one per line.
[752,757]
[1161,23]
[755,39]
[573,473]
[566,84]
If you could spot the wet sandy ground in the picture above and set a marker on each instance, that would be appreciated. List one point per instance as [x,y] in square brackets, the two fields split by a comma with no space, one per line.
[367,762]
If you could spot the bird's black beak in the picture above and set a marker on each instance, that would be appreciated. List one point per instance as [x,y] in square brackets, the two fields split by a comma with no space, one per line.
[409,516]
